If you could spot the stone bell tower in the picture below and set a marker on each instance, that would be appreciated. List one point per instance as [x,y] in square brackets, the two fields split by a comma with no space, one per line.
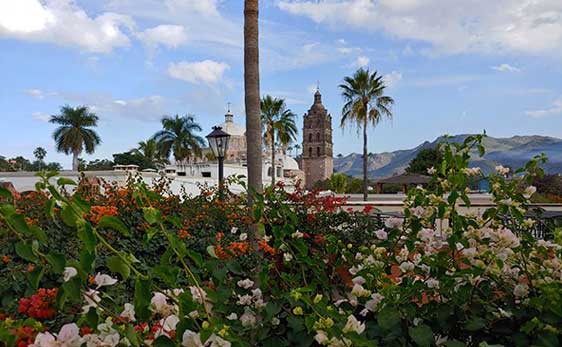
[317,155]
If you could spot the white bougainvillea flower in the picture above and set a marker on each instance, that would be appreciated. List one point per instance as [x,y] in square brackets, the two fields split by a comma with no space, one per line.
[529,191]
[248,319]
[92,299]
[128,313]
[198,294]
[394,223]
[521,290]
[160,303]
[297,235]
[321,337]
[381,234]
[275,321]
[103,280]
[191,339]
[69,273]
[353,324]
[68,336]
[232,316]
[502,170]
[234,230]
[287,257]
[431,170]
[246,284]
[243,237]
[217,341]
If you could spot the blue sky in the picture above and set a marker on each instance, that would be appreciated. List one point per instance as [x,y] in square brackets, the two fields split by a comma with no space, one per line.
[452,66]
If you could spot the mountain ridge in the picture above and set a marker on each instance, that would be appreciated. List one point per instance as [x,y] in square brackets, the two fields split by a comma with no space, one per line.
[512,151]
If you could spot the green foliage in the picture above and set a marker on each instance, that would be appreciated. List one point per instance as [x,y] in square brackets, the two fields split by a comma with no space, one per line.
[425,158]
[316,275]
[338,183]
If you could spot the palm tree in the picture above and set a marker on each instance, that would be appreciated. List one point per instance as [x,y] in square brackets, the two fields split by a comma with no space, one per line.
[365,103]
[40,153]
[148,150]
[297,147]
[178,138]
[74,134]
[252,98]
[279,124]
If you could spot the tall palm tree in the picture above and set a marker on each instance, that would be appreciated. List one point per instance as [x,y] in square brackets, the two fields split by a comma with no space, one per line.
[279,125]
[252,105]
[40,153]
[252,97]
[297,148]
[74,134]
[148,150]
[365,103]
[178,138]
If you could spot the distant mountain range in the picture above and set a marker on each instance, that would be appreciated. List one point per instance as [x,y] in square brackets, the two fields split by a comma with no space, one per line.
[514,152]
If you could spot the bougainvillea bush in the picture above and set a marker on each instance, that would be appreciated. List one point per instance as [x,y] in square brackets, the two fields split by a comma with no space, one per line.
[140,266]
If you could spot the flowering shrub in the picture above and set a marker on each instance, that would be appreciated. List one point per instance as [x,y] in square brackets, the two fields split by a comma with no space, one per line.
[154,268]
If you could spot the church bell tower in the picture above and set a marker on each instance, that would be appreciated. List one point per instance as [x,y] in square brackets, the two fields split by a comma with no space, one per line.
[317,155]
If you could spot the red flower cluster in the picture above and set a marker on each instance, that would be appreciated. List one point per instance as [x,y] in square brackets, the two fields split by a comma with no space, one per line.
[40,305]
[25,336]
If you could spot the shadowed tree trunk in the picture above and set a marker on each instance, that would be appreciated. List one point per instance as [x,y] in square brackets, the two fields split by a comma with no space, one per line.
[75,163]
[252,102]
[272,160]
[365,160]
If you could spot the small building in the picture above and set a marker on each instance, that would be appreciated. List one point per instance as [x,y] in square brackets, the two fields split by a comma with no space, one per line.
[126,168]
[404,180]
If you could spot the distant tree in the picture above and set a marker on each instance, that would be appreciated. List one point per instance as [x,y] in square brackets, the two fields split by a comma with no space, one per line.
[178,138]
[425,159]
[365,103]
[99,165]
[19,163]
[40,153]
[297,148]
[129,158]
[338,183]
[53,166]
[148,151]
[279,125]
[74,135]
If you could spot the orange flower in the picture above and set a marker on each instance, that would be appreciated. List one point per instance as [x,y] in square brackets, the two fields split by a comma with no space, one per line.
[266,247]
[6,259]
[30,267]
[97,212]
[238,247]
[219,251]
[183,233]
[219,236]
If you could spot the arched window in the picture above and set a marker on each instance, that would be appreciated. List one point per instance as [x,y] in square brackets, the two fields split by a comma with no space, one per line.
[318,137]
[310,152]
[318,151]
[310,137]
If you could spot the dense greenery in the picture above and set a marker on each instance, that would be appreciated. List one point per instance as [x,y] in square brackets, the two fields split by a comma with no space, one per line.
[138,265]
[425,159]
[178,138]
[22,164]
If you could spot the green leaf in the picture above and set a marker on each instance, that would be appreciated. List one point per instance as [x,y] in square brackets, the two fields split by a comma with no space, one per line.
[63,181]
[18,222]
[25,251]
[168,274]
[35,276]
[92,317]
[39,234]
[87,260]
[5,193]
[422,335]
[57,261]
[86,235]
[68,216]
[116,264]
[475,324]
[152,215]
[142,298]
[211,251]
[196,257]
[112,222]
[163,341]
[454,343]
[388,318]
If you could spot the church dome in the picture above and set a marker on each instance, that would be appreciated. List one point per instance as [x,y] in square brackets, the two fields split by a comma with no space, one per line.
[230,127]
[290,163]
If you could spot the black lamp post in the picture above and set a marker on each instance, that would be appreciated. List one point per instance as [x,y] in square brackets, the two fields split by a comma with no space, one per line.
[218,141]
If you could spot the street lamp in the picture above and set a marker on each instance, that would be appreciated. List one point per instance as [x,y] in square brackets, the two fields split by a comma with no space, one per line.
[218,141]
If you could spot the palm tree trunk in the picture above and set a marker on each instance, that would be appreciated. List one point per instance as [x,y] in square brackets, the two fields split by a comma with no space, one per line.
[252,104]
[75,163]
[365,158]
[272,159]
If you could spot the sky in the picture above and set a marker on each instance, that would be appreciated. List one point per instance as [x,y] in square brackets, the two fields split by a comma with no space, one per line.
[452,66]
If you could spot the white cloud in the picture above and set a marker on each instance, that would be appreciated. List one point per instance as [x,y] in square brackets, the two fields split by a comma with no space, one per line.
[39,94]
[533,27]
[171,36]
[40,116]
[392,79]
[555,109]
[62,22]
[505,68]
[362,61]
[206,71]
